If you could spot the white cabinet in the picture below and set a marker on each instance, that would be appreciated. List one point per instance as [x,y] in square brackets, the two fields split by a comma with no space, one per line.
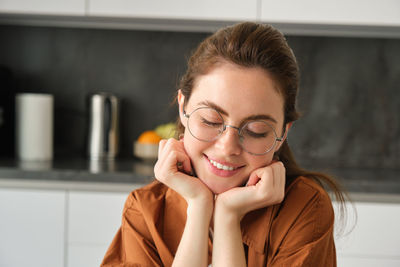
[368,18]
[43,7]
[230,10]
[58,228]
[340,12]
[32,228]
[93,220]
[375,239]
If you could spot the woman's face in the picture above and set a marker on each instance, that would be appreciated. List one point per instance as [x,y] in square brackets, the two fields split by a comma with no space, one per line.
[239,93]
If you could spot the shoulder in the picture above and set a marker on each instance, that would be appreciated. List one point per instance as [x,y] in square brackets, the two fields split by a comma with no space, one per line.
[303,226]
[154,189]
[152,199]
[307,199]
[304,189]
[151,194]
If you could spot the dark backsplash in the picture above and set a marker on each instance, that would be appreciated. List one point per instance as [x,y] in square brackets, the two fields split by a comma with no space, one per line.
[349,97]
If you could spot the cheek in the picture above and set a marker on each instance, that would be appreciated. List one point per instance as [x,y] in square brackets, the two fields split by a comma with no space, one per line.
[256,162]
[193,146]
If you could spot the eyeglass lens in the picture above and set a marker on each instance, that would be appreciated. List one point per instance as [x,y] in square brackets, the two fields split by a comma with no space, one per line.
[256,137]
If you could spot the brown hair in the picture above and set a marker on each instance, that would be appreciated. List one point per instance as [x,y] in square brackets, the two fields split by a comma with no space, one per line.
[257,45]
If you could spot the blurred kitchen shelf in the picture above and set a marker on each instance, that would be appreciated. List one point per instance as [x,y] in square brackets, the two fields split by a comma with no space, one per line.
[192,25]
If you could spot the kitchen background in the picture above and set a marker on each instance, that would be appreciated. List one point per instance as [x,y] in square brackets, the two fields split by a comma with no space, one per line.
[65,214]
[349,96]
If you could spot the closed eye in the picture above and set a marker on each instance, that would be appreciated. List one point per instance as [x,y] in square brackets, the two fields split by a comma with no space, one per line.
[210,123]
[255,135]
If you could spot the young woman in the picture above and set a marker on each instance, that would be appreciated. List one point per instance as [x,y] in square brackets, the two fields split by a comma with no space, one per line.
[228,190]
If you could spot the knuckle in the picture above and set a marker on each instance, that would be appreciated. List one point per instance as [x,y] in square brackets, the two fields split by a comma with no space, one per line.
[280,197]
[157,173]
[270,173]
[267,171]
[173,154]
[275,166]
[156,168]
[171,141]
[167,143]
[281,166]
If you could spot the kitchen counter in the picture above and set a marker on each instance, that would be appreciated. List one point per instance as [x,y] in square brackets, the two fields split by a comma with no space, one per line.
[123,175]
[76,174]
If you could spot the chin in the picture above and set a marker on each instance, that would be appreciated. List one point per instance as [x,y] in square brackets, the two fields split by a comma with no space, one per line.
[218,188]
[218,184]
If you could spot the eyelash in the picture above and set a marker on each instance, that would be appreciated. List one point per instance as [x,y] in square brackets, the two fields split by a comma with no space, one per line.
[256,135]
[214,124]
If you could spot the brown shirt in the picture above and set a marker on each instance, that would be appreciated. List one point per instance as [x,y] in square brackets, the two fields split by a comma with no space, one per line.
[296,232]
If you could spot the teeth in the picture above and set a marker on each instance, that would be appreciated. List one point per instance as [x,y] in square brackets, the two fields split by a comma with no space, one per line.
[220,166]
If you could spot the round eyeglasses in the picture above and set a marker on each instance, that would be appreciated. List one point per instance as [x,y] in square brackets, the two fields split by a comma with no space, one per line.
[256,137]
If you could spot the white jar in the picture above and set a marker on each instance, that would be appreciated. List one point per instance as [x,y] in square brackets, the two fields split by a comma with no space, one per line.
[34,126]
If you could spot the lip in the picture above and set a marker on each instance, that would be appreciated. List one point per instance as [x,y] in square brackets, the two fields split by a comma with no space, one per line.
[222,173]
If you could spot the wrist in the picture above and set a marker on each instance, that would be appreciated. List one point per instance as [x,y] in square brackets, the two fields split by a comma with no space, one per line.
[226,214]
[200,207]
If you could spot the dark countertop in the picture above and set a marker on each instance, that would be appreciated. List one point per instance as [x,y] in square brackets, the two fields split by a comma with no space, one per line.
[79,169]
[76,173]
[366,180]
[124,175]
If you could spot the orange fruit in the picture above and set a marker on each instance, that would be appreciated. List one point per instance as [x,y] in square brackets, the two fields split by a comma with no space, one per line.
[149,137]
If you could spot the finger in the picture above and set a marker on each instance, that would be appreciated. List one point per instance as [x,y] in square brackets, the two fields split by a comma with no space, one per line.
[161,146]
[167,146]
[175,157]
[279,170]
[172,145]
[186,165]
[254,177]
[283,180]
[280,178]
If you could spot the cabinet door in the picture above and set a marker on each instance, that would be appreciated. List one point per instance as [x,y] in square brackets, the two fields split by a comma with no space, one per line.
[176,9]
[341,12]
[43,7]
[93,221]
[32,228]
[375,239]
[358,261]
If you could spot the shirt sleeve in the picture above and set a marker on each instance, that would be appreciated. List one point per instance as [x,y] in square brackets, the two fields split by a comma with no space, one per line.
[133,244]
[309,239]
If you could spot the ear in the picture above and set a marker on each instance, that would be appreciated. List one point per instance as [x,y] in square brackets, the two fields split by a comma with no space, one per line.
[287,128]
[181,102]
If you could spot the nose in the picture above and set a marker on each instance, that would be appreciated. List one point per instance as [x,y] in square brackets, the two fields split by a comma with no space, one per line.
[229,142]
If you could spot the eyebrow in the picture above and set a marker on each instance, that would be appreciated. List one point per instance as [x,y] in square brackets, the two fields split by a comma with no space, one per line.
[249,118]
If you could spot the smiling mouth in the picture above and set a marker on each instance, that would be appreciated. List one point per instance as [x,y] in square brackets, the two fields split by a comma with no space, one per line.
[222,166]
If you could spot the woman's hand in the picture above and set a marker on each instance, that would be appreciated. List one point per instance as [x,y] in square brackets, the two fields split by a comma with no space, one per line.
[174,169]
[265,187]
